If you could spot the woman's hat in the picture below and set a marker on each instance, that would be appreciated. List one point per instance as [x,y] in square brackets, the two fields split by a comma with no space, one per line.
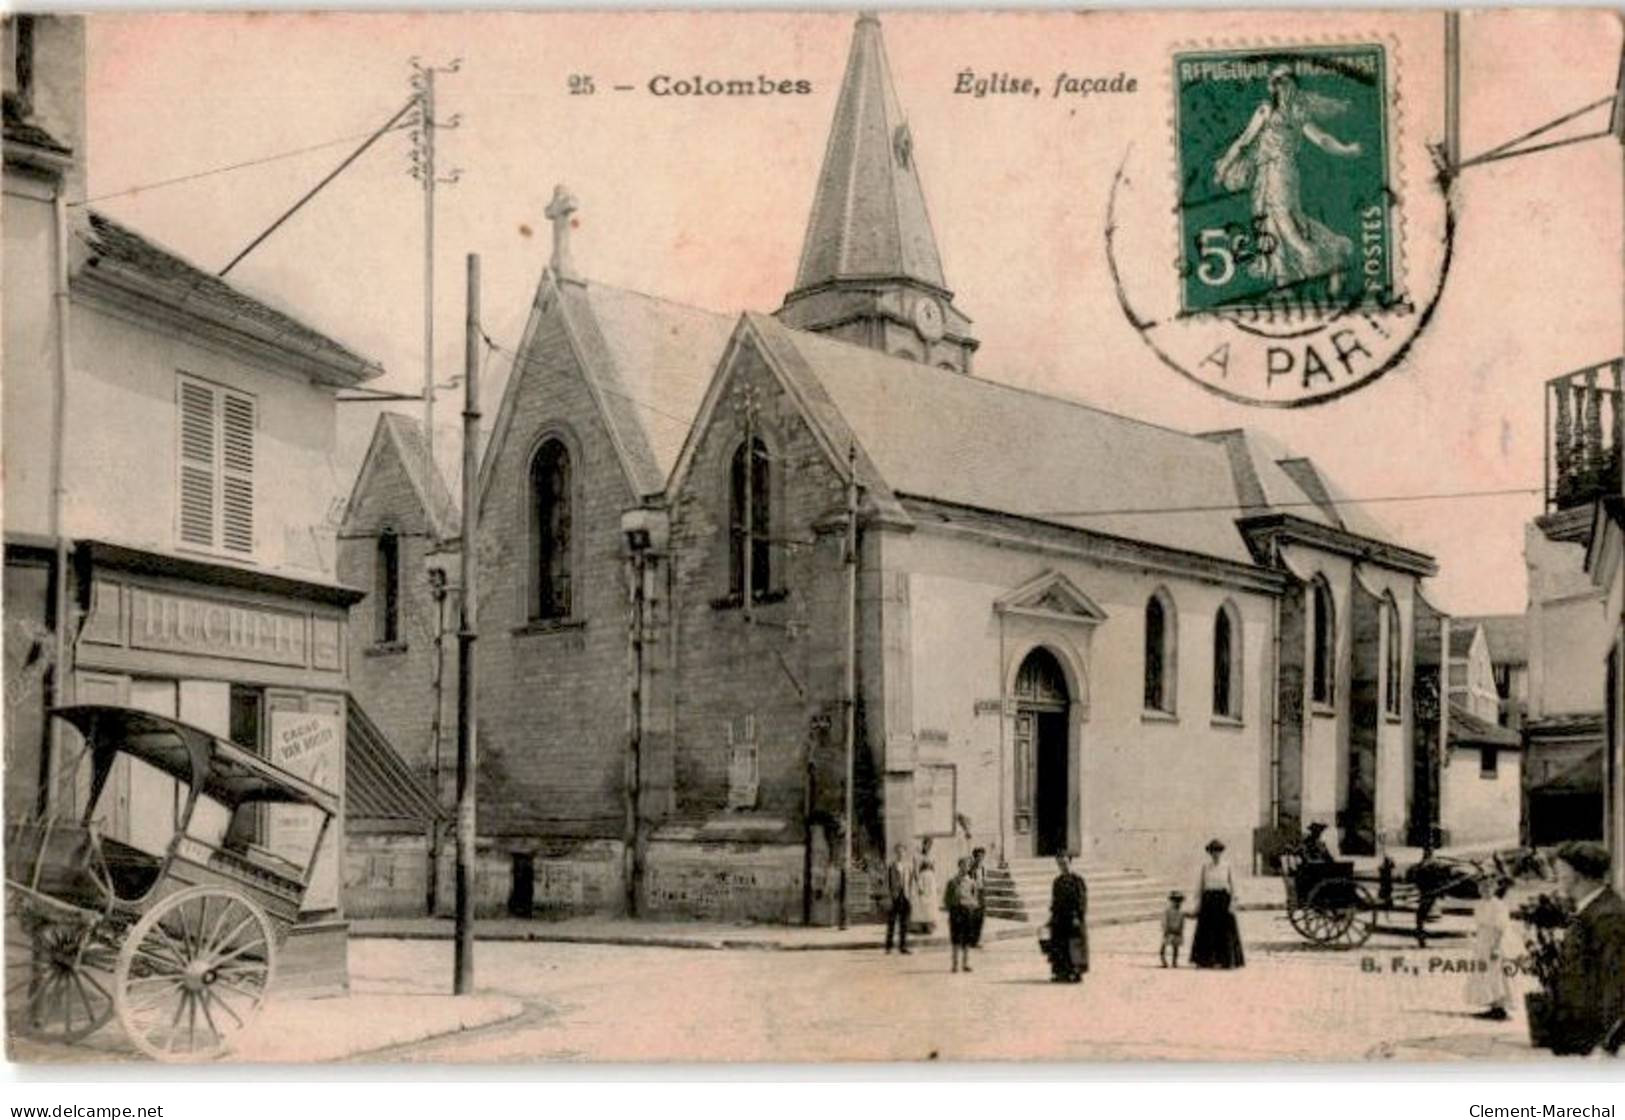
[1215,845]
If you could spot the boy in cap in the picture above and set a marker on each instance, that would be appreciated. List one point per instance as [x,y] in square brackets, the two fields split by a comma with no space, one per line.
[1173,930]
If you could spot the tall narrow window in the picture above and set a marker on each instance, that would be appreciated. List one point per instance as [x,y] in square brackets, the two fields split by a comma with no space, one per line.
[1394,662]
[1161,668]
[550,532]
[1227,662]
[216,469]
[387,587]
[1325,619]
[750,514]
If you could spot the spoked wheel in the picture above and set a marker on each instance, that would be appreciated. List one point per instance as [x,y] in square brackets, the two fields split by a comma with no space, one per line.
[194,973]
[59,971]
[1319,924]
[1350,907]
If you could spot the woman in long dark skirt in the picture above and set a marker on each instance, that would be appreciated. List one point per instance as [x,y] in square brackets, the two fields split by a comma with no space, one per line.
[1068,931]
[1217,943]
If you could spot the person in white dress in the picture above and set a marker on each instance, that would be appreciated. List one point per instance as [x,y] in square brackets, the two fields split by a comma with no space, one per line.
[1489,986]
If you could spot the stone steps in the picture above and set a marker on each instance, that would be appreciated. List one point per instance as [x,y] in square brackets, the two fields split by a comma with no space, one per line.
[1020,891]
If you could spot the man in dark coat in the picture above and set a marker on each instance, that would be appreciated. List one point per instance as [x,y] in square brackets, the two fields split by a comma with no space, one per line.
[1589,995]
[899,883]
[1069,934]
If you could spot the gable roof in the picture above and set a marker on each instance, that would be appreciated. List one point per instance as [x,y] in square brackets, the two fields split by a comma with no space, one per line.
[403,436]
[939,434]
[647,362]
[868,216]
[1506,635]
[1466,729]
[111,241]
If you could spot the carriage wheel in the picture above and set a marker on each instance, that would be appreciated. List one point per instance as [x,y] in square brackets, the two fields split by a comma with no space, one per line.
[59,972]
[1351,905]
[194,972]
[1321,924]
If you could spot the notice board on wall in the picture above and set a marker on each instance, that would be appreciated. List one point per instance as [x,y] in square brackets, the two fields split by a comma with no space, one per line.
[935,788]
[309,745]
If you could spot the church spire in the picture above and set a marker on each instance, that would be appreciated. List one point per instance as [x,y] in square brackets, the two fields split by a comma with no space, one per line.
[869,269]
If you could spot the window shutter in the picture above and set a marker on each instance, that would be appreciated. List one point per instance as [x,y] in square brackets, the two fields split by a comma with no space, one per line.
[237,474]
[197,464]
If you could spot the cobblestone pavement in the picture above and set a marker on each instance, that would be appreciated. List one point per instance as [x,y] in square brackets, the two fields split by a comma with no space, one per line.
[1388,1001]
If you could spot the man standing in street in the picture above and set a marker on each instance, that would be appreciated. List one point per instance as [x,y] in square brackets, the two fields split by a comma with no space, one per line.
[1589,993]
[978,875]
[899,885]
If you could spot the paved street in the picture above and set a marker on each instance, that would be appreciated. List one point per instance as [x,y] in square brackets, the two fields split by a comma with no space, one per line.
[632,1003]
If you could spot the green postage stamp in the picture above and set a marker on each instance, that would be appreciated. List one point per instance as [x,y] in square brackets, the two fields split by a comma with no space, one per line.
[1284,178]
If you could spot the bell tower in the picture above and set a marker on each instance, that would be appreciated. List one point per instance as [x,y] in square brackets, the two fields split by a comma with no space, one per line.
[870,272]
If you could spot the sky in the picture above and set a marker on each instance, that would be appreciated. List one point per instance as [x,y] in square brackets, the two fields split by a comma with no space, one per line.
[704,200]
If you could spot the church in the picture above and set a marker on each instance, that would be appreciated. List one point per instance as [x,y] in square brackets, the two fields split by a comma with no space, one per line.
[759,590]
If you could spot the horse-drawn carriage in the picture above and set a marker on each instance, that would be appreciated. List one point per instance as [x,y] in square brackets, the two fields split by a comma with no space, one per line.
[1332,904]
[163,899]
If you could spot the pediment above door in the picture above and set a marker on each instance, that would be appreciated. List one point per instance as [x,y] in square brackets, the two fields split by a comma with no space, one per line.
[1052,597]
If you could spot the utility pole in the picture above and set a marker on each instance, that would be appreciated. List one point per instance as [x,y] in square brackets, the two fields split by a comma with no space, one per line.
[425,171]
[849,701]
[467,721]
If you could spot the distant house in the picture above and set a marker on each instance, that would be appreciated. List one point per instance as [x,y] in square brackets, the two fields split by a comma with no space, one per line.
[1507,638]
[1478,774]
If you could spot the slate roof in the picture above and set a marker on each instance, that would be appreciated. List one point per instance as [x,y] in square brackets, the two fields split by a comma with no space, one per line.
[1466,729]
[651,360]
[868,215]
[1506,634]
[109,239]
[413,451]
[20,130]
[379,786]
[938,434]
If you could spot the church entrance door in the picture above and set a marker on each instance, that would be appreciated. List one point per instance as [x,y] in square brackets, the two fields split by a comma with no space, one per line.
[1044,782]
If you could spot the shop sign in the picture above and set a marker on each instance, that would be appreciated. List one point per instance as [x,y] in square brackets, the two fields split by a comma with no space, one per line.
[185,624]
[309,745]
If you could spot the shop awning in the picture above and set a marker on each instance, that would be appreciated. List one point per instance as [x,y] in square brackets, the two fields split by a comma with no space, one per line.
[380,786]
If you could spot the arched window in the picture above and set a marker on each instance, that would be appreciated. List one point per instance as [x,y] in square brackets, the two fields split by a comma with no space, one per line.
[1394,660]
[1161,665]
[550,532]
[1227,654]
[387,587]
[1324,667]
[750,522]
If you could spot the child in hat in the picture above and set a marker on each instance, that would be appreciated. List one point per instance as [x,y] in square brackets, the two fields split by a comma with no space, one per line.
[1173,930]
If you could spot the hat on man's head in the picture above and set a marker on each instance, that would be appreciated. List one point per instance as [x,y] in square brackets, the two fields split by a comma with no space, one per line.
[1215,845]
[1176,896]
[1317,826]
[1587,857]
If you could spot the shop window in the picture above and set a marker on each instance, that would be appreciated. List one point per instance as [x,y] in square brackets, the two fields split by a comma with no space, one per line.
[750,514]
[216,475]
[1325,643]
[550,525]
[1161,653]
[1227,653]
[1488,762]
[387,588]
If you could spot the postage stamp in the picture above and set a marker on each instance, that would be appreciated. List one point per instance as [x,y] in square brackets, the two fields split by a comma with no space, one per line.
[1283,162]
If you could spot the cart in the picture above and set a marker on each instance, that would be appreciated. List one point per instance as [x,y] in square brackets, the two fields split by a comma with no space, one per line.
[163,900]
[1332,905]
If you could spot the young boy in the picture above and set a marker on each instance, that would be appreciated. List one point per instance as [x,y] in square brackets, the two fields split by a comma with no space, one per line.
[1173,929]
[962,899]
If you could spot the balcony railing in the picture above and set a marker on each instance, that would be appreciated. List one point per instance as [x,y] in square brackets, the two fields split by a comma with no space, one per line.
[1585,430]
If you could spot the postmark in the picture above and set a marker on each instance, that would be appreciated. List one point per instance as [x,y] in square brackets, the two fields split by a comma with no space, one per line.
[1286,175]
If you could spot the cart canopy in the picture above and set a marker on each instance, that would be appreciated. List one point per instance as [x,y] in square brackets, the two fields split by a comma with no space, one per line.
[219,768]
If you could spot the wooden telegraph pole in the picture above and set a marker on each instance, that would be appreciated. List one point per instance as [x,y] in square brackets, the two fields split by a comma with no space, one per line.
[467,723]
[849,701]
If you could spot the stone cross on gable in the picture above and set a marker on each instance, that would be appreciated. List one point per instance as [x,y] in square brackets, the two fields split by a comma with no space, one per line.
[561,212]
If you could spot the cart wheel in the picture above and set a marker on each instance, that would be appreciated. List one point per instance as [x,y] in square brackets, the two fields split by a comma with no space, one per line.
[59,972]
[194,972]
[1354,908]
[1323,925]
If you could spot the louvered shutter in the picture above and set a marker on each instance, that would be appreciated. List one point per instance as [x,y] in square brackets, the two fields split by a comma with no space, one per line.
[197,464]
[237,473]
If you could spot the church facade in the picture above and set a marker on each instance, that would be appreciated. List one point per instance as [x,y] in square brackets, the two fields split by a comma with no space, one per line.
[759,588]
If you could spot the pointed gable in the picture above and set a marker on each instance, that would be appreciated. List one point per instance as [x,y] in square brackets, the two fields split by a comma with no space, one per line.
[397,442]
[1052,597]
[868,216]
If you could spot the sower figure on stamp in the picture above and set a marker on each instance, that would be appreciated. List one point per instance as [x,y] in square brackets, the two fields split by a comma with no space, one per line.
[900,884]
[1265,156]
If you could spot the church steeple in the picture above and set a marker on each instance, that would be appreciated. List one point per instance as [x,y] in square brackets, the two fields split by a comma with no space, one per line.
[869,270]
